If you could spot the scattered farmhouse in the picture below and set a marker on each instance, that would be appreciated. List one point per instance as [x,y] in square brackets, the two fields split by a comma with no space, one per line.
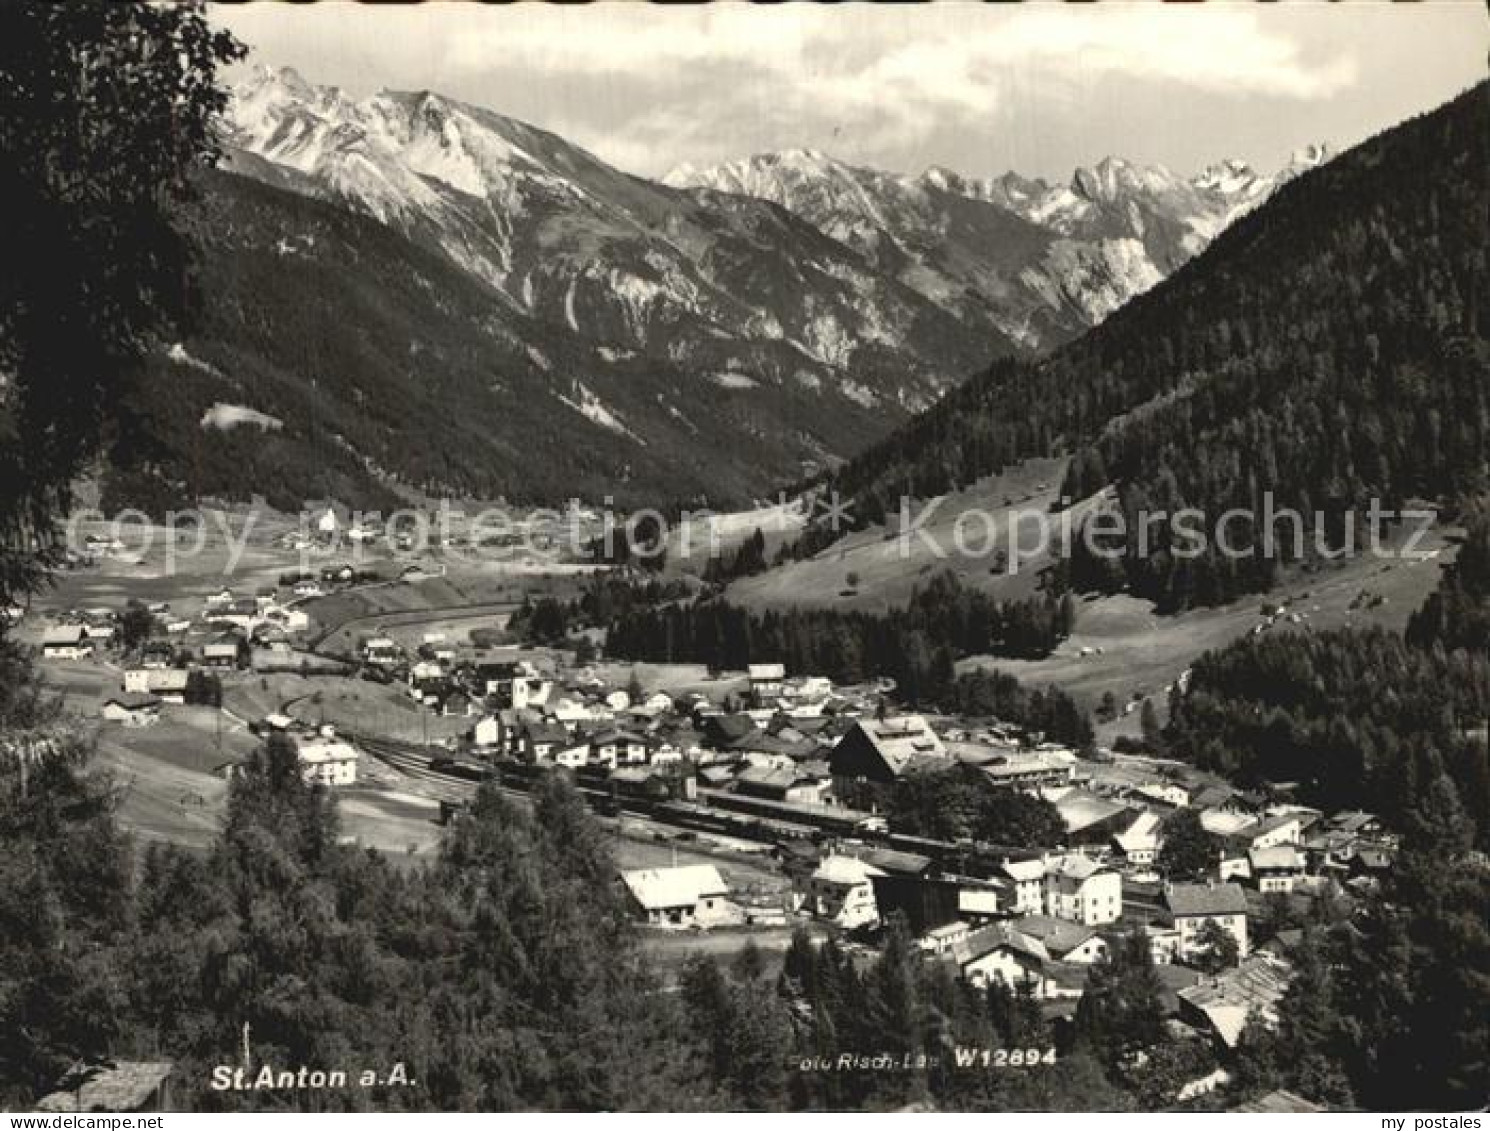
[1139,843]
[132,708]
[166,684]
[221,653]
[66,642]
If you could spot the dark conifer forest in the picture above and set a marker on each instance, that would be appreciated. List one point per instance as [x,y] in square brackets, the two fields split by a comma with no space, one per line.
[916,646]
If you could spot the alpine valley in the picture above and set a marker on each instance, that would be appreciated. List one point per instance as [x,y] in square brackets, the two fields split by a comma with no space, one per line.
[406,294]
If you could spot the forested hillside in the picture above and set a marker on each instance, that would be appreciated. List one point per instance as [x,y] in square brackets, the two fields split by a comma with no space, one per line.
[1328,348]
[1356,719]
[383,367]
[1457,614]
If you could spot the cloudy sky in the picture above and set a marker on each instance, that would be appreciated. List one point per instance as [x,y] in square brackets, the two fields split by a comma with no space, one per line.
[1039,87]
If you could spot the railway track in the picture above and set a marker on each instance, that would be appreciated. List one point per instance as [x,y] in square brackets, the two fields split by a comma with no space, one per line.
[413,761]
[457,785]
[450,784]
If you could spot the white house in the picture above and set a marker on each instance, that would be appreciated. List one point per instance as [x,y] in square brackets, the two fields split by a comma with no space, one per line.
[1004,952]
[572,754]
[766,680]
[841,892]
[617,747]
[945,938]
[66,642]
[166,684]
[1164,793]
[1278,868]
[1028,880]
[569,713]
[1139,843]
[1063,940]
[220,654]
[291,620]
[132,709]
[1192,906]
[487,731]
[1285,828]
[1083,891]
[327,759]
[694,895]
[426,669]
[381,650]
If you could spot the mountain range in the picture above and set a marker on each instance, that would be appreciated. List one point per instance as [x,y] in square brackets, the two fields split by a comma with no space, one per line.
[426,296]
[1081,251]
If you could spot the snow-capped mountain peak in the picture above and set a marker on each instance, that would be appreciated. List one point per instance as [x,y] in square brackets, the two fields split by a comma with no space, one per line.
[728,287]
[1113,177]
[1108,233]
[1227,177]
[640,266]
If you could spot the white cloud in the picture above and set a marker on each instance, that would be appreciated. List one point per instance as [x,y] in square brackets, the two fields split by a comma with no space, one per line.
[891,71]
[648,85]
[950,54]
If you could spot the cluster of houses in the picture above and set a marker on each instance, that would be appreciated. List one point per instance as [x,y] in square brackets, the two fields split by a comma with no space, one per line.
[168,666]
[1037,919]
[222,635]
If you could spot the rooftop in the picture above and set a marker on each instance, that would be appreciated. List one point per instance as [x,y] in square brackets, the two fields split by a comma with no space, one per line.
[997,936]
[1081,809]
[1280,1103]
[1059,936]
[1074,866]
[1284,856]
[767,671]
[1024,869]
[1252,989]
[659,888]
[125,1086]
[1144,832]
[837,869]
[133,700]
[902,740]
[1206,899]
